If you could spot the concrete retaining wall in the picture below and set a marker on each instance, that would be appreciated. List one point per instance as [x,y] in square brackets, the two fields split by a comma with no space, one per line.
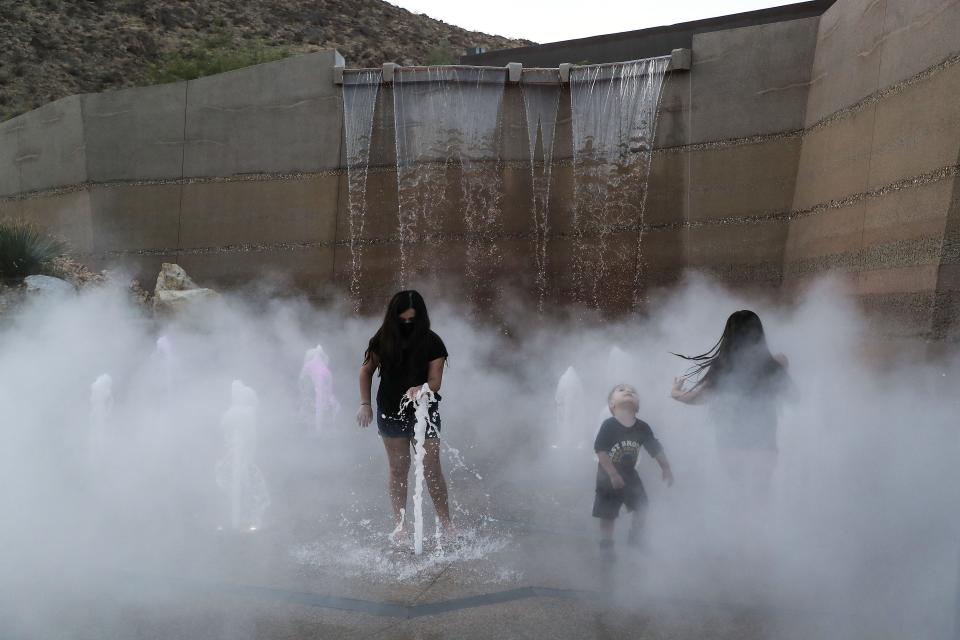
[791,149]
[877,191]
[208,167]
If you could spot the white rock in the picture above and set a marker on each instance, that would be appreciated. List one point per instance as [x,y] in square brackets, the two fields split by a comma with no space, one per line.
[48,285]
[172,277]
[176,292]
[177,301]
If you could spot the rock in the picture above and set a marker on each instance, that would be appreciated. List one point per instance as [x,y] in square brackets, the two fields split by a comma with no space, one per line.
[76,273]
[172,277]
[48,285]
[141,295]
[176,292]
[174,302]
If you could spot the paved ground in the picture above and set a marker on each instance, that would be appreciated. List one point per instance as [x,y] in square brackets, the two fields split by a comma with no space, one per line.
[528,566]
[506,583]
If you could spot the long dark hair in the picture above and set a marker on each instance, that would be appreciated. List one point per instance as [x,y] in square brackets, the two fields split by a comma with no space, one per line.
[389,340]
[741,350]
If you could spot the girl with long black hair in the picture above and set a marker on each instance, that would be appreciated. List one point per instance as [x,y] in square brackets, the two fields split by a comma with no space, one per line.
[743,382]
[407,354]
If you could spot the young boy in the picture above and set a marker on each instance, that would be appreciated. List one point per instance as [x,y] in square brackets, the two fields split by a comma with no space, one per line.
[617,447]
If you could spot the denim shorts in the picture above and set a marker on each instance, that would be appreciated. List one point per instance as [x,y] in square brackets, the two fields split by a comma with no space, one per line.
[402,425]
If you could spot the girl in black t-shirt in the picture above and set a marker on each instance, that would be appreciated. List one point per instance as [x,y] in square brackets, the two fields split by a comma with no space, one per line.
[407,354]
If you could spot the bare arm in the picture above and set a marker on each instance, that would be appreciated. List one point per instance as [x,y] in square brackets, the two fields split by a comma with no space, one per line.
[434,378]
[367,370]
[435,374]
[607,464]
[665,471]
[365,412]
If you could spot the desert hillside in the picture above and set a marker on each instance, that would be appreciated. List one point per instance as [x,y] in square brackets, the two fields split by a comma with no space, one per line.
[53,48]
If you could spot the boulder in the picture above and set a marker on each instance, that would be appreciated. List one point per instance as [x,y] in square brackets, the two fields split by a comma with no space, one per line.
[48,285]
[176,292]
[172,277]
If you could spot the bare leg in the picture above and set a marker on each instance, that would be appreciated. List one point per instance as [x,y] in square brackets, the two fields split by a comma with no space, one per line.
[398,457]
[606,530]
[635,535]
[607,554]
[436,484]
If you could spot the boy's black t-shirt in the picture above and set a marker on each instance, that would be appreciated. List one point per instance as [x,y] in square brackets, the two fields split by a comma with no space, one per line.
[623,444]
[411,371]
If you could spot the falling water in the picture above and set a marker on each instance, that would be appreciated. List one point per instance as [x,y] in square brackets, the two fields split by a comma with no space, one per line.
[237,472]
[101,406]
[571,423]
[540,103]
[359,100]
[319,405]
[448,117]
[614,109]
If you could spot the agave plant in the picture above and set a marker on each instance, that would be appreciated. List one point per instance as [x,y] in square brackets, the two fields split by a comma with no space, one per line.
[25,249]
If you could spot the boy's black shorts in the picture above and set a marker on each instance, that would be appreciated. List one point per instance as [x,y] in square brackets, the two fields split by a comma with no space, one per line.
[607,502]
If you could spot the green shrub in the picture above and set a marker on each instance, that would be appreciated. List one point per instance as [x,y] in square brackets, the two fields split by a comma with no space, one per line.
[214,55]
[441,54]
[26,250]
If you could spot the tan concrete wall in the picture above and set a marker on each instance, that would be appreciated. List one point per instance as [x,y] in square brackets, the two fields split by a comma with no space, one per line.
[790,150]
[241,174]
[235,176]
[877,178]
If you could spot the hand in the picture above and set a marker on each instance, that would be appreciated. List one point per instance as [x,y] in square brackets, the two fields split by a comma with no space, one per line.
[678,391]
[364,415]
[617,481]
[667,476]
[413,392]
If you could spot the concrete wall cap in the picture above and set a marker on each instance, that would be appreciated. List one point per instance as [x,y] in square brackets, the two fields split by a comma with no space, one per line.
[681,60]
[388,69]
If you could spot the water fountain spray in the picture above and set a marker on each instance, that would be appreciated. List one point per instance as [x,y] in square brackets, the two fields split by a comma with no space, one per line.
[569,398]
[237,472]
[618,366]
[101,406]
[163,354]
[316,390]
[425,397]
